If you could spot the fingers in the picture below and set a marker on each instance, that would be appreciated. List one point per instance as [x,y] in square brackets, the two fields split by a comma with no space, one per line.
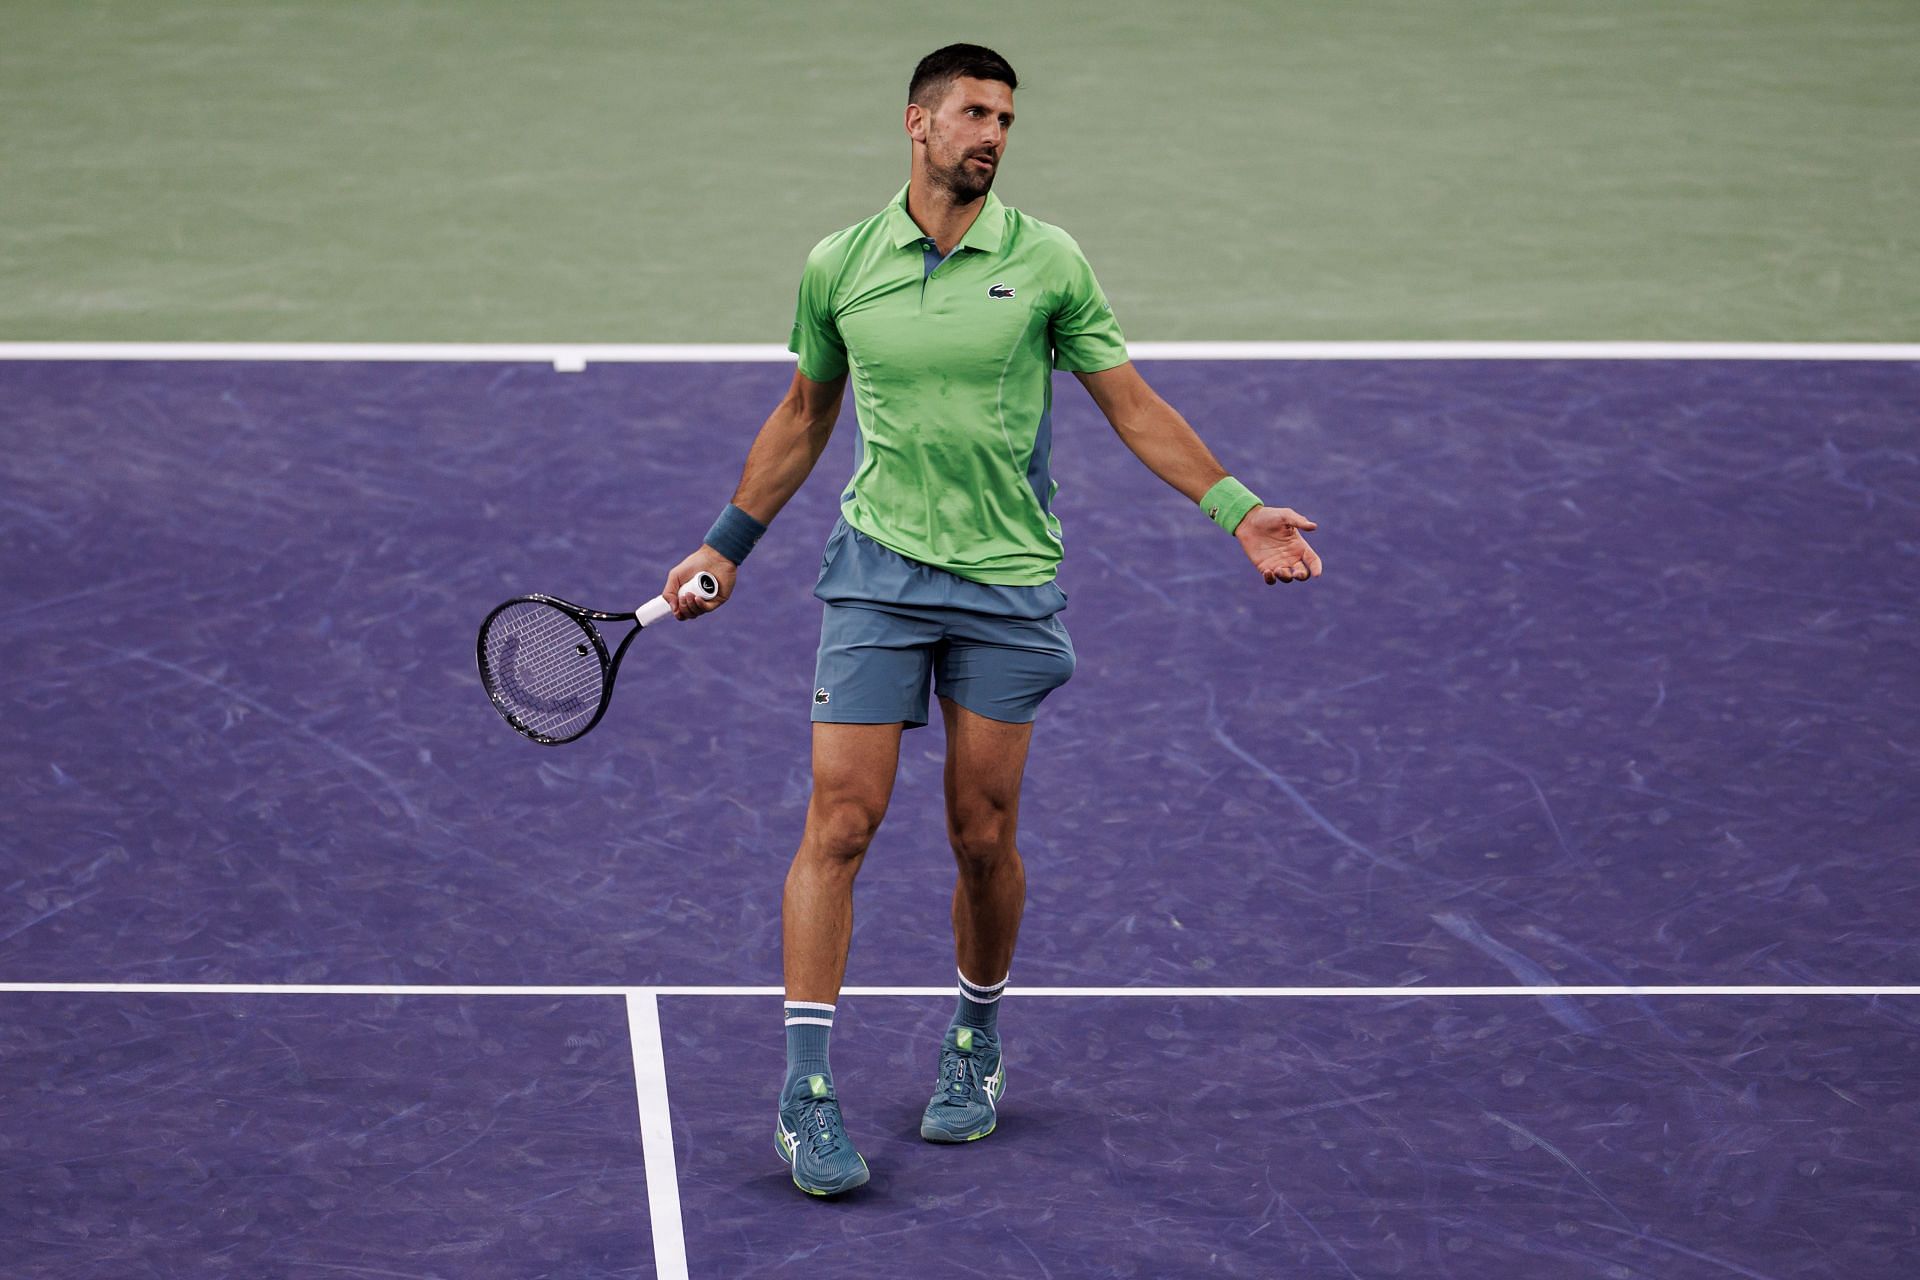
[686,605]
[671,593]
[695,606]
[1307,566]
[1297,520]
[1278,573]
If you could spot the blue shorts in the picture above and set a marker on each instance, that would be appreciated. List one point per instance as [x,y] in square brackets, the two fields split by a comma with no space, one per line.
[876,665]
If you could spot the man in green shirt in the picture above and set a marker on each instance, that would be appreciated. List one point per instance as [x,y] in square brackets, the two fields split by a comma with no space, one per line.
[949,311]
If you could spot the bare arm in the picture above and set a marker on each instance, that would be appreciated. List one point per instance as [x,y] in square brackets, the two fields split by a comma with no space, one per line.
[1154,430]
[1170,448]
[782,457]
[789,443]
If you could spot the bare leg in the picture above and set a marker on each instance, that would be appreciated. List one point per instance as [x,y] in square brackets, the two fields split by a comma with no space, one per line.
[985,762]
[853,768]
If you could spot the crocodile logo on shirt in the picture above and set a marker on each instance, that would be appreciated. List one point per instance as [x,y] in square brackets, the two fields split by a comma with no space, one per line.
[821,697]
[1000,291]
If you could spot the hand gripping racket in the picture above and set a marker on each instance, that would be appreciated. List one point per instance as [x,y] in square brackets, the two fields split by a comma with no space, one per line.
[545,665]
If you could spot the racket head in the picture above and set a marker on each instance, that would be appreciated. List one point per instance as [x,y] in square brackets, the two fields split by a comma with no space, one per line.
[545,667]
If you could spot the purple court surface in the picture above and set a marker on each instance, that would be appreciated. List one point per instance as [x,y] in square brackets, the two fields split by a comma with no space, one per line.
[1612,681]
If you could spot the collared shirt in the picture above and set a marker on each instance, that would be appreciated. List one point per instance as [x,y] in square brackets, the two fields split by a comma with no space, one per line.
[951,362]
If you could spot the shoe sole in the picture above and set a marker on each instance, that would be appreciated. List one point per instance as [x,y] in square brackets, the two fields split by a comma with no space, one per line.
[932,1134]
[786,1154]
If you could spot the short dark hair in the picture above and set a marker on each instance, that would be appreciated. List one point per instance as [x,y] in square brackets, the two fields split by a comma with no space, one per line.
[939,69]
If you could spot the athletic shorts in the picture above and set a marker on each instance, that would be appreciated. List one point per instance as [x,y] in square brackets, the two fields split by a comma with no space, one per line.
[877,665]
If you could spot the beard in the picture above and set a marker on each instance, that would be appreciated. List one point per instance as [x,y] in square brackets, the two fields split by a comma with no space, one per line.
[963,183]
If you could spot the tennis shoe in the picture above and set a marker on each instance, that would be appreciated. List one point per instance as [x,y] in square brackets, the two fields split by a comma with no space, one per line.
[813,1141]
[966,1103]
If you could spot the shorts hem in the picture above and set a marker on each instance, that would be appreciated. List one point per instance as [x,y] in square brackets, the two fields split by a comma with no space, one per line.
[1031,716]
[868,717]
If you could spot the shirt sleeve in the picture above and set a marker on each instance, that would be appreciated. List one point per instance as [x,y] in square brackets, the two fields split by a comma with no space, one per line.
[816,334]
[1086,337]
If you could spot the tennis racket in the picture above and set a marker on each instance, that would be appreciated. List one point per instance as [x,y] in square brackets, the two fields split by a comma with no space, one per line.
[545,664]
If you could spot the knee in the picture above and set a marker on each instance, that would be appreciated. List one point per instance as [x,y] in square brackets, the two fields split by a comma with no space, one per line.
[982,839]
[841,830]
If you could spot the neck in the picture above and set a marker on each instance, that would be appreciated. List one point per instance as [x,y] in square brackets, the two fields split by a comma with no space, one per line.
[931,206]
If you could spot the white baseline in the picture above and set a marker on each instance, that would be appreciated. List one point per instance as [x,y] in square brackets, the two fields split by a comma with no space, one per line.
[1090,993]
[572,357]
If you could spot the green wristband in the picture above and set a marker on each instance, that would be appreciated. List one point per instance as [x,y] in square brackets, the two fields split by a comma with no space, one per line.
[1227,503]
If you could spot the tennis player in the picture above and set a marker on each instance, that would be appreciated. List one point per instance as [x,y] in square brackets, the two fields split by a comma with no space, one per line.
[949,310]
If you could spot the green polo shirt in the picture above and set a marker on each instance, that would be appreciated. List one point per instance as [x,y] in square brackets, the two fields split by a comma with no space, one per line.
[951,363]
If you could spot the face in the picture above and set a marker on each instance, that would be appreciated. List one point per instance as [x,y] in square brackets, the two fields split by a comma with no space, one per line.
[965,136]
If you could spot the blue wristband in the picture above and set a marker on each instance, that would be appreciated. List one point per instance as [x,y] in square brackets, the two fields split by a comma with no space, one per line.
[734,533]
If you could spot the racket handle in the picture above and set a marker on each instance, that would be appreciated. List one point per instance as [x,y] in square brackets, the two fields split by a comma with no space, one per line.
[702,584]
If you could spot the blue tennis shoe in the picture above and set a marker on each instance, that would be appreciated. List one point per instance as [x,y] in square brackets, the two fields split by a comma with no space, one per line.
[972,1078]
[813,1141]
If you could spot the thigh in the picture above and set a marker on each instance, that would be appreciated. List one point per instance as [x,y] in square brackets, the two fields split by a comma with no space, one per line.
[853,768]
[874,667]
[986,760]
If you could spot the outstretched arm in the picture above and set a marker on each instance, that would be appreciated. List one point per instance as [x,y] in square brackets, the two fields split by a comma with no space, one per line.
[781,459]
[1161,439]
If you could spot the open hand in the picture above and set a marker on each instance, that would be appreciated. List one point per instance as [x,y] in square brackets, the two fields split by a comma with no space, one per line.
[1271,538]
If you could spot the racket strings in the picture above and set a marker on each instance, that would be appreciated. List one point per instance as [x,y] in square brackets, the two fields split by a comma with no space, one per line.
[542,669]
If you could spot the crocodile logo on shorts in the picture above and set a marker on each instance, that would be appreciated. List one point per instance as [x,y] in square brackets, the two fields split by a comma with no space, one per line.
[821,697]
[1000,291]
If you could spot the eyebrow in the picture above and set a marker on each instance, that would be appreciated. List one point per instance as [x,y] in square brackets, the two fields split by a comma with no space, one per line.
[981,106]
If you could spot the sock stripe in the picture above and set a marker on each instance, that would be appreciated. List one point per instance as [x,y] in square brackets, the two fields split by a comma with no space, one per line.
[982,987]
[978,994]
[978,1006]
[808,1013]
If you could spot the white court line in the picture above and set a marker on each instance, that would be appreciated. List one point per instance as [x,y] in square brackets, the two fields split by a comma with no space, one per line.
[649,1059]
[656,1137]
[1099,993]
[572,357]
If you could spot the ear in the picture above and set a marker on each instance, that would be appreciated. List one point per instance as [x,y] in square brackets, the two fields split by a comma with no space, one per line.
[917,120]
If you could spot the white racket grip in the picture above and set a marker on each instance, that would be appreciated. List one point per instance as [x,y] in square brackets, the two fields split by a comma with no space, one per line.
[702,584]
